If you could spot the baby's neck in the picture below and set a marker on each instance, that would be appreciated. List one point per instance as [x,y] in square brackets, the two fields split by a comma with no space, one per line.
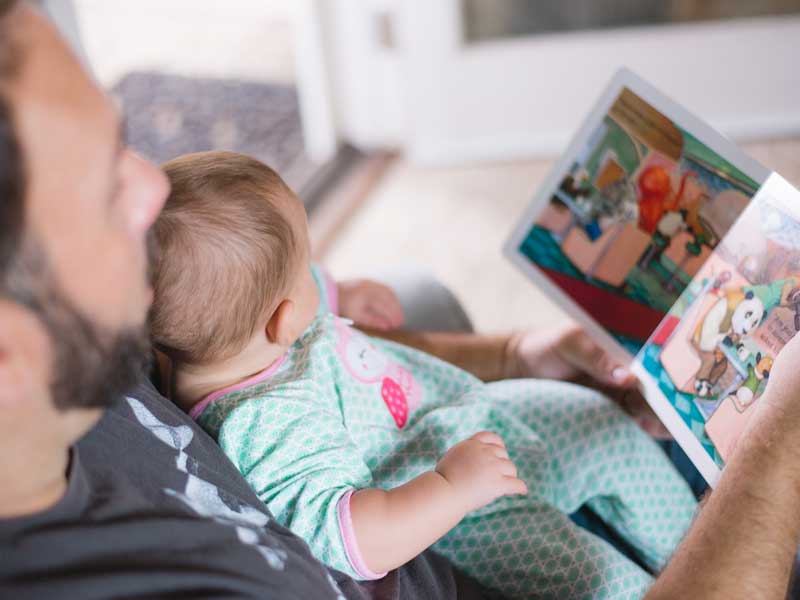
[192,383]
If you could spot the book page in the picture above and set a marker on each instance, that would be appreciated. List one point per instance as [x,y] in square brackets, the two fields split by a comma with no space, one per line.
[638,208]
[709,360]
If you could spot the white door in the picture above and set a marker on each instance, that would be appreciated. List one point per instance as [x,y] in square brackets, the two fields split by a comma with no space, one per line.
[495,98]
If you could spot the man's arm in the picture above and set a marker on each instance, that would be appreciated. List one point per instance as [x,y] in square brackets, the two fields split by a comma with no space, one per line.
[744,541]
[488,357]
[564,352]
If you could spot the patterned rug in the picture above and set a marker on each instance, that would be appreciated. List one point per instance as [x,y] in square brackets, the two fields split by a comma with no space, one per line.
[168,115]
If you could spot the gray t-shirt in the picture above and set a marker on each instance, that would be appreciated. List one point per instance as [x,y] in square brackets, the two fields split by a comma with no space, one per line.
[155,510]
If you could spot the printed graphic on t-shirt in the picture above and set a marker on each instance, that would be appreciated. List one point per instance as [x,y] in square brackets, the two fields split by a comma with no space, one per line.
[203,497]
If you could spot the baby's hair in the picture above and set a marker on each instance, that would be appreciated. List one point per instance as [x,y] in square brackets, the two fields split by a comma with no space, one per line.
[225,255]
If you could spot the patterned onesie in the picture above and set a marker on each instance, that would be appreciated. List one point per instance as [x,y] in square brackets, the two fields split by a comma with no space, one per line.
[342,412]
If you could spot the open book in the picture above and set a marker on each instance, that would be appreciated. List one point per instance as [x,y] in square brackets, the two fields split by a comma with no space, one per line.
[680,254]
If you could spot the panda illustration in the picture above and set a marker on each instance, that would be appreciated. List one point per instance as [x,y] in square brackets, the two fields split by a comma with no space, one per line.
[730,319]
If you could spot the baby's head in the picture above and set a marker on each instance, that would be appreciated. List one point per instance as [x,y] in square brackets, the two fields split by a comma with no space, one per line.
[233,267]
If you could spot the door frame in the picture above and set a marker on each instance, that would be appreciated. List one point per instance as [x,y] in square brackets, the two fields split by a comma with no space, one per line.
[524,97]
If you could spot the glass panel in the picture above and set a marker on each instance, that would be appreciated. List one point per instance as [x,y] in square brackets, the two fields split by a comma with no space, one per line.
[491,19]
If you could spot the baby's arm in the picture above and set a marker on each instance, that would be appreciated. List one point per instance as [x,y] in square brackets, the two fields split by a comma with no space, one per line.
[296,454]
[394,526]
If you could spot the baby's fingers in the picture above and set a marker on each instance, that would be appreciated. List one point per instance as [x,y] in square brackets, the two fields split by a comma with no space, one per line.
[487,437]
[508,468]
[512,485]
[499,452]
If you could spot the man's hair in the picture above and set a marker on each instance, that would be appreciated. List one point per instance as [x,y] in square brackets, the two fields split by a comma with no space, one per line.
[225,255]
[12,171]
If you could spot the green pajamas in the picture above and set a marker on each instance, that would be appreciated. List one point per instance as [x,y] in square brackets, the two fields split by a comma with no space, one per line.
[595,456]
[342,412]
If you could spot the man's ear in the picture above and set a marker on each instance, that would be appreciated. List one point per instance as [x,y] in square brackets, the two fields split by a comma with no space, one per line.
[24,354]
[279,327]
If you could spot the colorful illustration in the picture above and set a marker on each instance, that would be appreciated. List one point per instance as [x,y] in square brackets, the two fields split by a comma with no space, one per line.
[634,219]
[712,354]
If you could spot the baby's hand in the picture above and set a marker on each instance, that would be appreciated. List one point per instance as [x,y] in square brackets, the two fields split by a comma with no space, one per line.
[370,304]
[480,471]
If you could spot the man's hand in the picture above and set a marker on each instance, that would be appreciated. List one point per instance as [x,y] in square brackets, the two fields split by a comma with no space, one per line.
[370,304]
[570,354]
[776,415]
[480,471]
[749,528]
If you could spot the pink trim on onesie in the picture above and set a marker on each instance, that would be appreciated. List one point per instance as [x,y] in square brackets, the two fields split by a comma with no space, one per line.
[198,408]
[349,538]
[332,291]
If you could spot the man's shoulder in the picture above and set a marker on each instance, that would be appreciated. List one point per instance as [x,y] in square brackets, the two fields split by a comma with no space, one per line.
[154,509]
[158,510]
[154,443]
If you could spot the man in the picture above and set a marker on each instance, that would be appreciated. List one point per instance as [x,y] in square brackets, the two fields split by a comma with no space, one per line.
[143,506]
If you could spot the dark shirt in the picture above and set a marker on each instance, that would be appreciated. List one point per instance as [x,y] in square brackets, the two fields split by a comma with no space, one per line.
[155,510]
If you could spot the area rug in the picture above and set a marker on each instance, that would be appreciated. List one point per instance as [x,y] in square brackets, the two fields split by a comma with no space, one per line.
[168,115]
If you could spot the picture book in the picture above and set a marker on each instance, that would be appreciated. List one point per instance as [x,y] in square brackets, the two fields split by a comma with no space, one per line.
[679,253]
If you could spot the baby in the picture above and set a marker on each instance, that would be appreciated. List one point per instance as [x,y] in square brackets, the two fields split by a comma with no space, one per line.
[372,451]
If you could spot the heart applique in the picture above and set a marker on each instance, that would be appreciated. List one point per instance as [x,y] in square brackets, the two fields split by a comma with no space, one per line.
[395,400]
[407,382]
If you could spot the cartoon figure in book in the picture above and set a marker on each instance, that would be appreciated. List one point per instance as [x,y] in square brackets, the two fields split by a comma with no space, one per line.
[730,319]
[616,203]
[745,395]
[731,413]
[655,189]
[727,416]
[657,199]
[670,224]
[675,213]
[575,185]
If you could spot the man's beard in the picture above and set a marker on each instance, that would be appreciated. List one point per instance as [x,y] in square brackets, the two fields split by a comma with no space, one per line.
[92,365]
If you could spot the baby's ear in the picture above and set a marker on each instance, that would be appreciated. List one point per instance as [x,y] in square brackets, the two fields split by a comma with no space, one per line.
[279,328]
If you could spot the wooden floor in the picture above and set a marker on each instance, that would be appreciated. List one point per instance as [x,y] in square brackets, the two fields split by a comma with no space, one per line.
[453,222]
